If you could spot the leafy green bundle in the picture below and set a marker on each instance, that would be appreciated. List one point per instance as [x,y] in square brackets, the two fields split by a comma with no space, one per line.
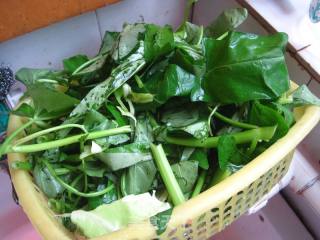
[155,110]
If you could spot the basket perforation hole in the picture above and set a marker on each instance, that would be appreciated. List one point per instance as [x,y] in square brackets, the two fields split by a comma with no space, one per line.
[187,225]
[172,232]
[227,209]
[214,227]
[238,202]
[202,216]
[227,215]
[240,193]
[201,225]
[203,231]
[228,201]
[187,233]
[214,210]
[214,218]
[226,223]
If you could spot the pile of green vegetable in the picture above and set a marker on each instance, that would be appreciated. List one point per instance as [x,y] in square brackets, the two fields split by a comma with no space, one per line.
[158,111]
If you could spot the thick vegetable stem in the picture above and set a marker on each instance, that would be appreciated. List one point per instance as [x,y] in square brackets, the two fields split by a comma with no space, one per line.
[6,145]
[262,133]
[69,140]
[167,175]
[200,183]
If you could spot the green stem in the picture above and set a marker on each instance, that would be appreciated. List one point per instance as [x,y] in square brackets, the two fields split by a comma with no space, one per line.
[262,133]
[44,80]
[167,175]
[116,114]
[253,146]
[223,36]
[138,81]
[46,131]
[4,147]
[69,140]
[199,184]
[209,119]
[73,184]
[62,171]
[233,122]
[72,189]
[123,184]
[85,65]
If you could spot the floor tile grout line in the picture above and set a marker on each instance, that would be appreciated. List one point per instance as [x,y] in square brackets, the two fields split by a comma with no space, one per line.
[98,23]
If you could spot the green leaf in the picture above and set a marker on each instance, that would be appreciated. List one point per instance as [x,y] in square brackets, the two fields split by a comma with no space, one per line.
[128,40]
[111,217]
[190,58]
[186,173]
[263,115]
[72,63]
[95,121]
[173,81]
[31,76]
[160,220]
[119,75]
[192,121]
[158,41]
[186,153]
[125,156]
[143,132]
[201,156]
[92,69]
[190,33]
[107,198]
[244,67]
[108,42]
[180,116]
[45,98]
[303,96]
[46,182]
[24,110]
[198,130]
[228,20]
[285,111]
[94,169]
[138,178]
[23,165]
[227,148]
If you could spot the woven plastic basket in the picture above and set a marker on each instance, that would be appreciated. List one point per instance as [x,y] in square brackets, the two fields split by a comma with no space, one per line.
[196,219]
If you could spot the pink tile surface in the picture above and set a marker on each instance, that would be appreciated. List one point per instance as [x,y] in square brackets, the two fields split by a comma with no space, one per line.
[14,223]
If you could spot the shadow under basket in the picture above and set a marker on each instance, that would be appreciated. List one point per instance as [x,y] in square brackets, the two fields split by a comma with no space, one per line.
[198,218]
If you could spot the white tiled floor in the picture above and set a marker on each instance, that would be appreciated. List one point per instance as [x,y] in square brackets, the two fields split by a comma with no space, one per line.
[152,11]
[45,48]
